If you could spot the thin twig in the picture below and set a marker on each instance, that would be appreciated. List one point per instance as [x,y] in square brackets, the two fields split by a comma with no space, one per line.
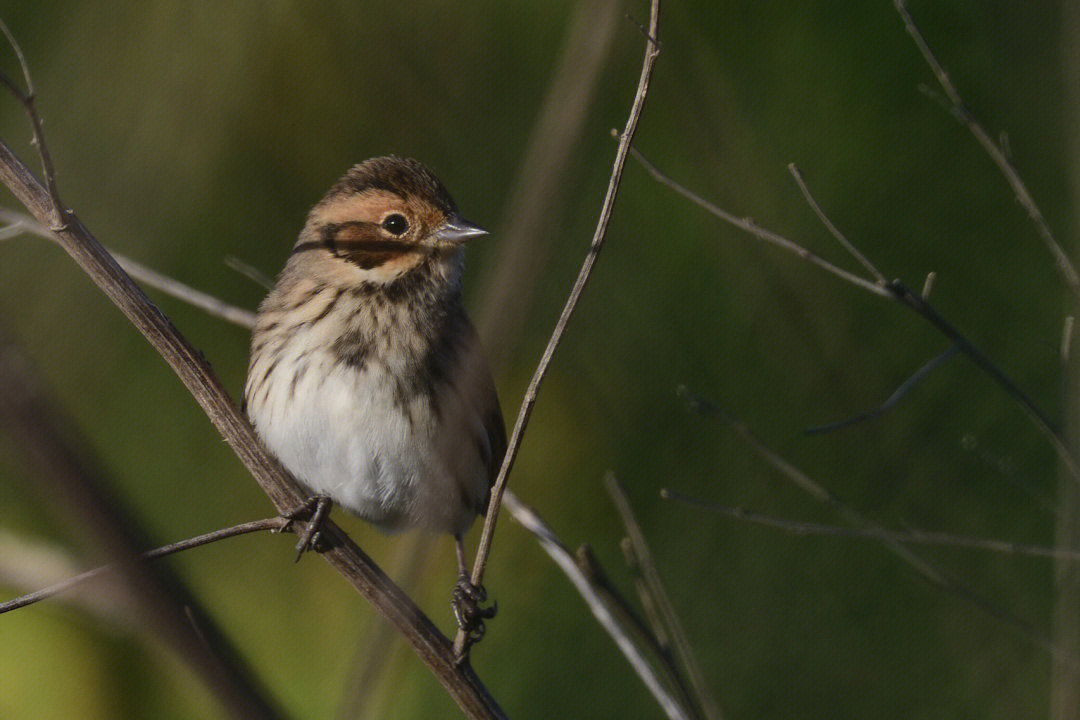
[628,617]
[998,154]
[274,523]
[484,548]
[912,536]
[29,563]
[748,225]
[648,604]
[249,271]
[896,291]
[170,288]
[666,610]
[460,681]
[29,103]
[1042,421]
[828,223]
[562,556]
[589,564]
[1066,338]
[65,471]
[148,276]
[853,517]
[928,285]
[893,399]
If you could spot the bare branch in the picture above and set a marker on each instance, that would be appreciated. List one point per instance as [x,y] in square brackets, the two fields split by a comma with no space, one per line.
[249,271]
[628,616]
[855,518]
[275,523]
[344,555]
[998,152]
[28,99]
[912,536]
[566,562]
[899,292]
[928,284]
[72,479]
[748,225]
[29,563]
[668,616]
[648,604]
[832,228]
[20,222]
[595,246]
[1042,421]
[893,399]
[1066,338]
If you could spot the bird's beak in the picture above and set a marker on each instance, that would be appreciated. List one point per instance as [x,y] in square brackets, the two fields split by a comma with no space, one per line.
[456,230]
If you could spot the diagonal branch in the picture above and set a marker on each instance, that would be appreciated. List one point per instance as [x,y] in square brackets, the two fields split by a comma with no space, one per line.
[188,363]
[891,401]
[567,563]
[853,517]
[20,222]
[652,50]
[666,610]
[748,225]
[911,536]
[997,154]
[75,483]
[897,291]
[277,523]
[28,99]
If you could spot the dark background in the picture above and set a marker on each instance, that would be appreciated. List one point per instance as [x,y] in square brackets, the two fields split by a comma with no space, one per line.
[185,133]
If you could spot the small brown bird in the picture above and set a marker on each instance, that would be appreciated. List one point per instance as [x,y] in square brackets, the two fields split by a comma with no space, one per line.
[366,377]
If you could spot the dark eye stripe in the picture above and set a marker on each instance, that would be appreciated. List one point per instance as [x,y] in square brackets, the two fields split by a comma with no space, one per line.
[359,242]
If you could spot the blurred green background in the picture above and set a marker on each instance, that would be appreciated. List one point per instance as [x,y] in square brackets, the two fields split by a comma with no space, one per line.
[185,133]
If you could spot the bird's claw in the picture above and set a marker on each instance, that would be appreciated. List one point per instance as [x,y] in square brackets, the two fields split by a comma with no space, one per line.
[469,612]
[314,510]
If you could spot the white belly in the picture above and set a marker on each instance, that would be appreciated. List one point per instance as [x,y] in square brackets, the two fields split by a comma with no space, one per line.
[343,433]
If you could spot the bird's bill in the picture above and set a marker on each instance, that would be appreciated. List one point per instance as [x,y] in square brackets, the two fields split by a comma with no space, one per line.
[456,230]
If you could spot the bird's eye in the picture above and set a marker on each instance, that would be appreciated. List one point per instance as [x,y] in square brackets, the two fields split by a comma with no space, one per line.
[395,224]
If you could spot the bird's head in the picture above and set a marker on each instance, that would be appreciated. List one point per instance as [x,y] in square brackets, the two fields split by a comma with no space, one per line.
[384,218]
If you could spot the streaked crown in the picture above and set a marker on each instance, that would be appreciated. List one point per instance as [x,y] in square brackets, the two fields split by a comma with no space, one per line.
[386,213]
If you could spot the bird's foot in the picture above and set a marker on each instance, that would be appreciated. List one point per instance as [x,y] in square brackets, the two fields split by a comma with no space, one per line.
[469,612]
[314,511]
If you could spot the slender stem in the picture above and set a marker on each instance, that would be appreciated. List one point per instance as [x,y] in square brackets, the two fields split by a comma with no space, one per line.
[835,231]
[29,103]
[896,291]
[996,153]
[853,517]
[344,555]
[912,536]
[890,402]
[484,548]
[567,563]
[748,225]
[20,222]
[274,523]
[1042,421]
[660,597]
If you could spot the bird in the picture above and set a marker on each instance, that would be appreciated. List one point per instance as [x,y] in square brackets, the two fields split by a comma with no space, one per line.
[366,377]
